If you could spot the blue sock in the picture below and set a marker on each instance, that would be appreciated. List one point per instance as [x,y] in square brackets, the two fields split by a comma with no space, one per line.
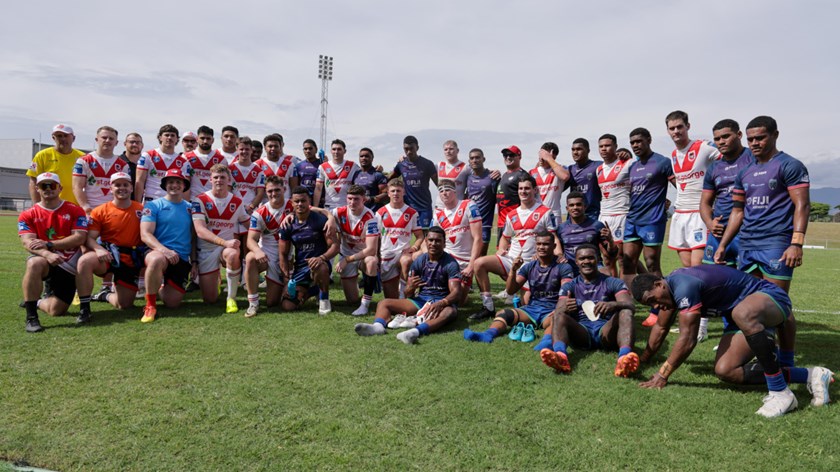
[423,328]
[545,343]
[559,346]
[381,321]
[323,295]
[785,358]
[796,375]
[624,351]
[775,382]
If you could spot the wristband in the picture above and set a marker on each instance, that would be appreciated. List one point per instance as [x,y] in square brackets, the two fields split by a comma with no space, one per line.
[665,370]
[796,245]
[798,238]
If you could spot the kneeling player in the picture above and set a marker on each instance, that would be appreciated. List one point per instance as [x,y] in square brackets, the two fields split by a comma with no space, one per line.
[608,325]
[462,224]
[358,229]
[544,276]
[438,277]
[752,307]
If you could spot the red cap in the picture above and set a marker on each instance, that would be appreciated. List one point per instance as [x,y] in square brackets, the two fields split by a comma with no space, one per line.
[512,150]
[174,173]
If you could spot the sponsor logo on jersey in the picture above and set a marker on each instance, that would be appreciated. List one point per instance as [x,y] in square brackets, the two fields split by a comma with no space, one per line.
[773,183]
[683,303]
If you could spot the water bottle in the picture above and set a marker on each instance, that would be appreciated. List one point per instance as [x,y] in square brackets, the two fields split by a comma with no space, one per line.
[291,288]
[517,302]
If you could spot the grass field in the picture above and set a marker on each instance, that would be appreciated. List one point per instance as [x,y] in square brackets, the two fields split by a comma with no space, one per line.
[199,390]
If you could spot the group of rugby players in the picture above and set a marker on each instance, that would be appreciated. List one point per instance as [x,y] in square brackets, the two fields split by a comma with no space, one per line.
[155,221]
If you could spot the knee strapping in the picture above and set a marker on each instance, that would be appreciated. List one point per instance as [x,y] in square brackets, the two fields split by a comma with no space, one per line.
[508,317]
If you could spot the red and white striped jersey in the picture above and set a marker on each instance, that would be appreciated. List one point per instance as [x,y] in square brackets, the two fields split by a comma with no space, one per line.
[456,223]
[225,217]
[614,181]
[97,172]
[690,166]
[397,226]
[354,230]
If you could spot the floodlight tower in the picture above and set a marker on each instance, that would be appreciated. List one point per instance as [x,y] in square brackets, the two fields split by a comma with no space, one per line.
[325,73]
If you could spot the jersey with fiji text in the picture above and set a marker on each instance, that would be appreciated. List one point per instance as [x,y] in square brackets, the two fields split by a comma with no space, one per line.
[614,180]
[266,220]
[97,172]
[602,289]
[156,163]
[720,178]
[308,172]
[397,226]
[307,237]
[436,275]
[417,174]
[573,235]
[522,227]
[544,282]
[584,179]
[225,217]
[457,173]
[456,223]
[247,181]
[371,180]
[285,168]
[648,189]
[690,165]
[354,230]
[550,188]
[201,164]
[336,178]
[713,290]
[481,189]
[53,225]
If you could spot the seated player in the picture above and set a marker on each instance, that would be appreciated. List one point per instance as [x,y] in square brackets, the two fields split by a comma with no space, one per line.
[52,231]
[580,229]
[462,223]
[752,308]
[117,225]
[612,328]
[263,254]
[358,230]
[218,217]
[314,247]
[544,276]
[166,228]
[437,276]
[398,222]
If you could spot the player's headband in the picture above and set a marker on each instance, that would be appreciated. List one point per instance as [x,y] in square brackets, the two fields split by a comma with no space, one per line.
[447,186]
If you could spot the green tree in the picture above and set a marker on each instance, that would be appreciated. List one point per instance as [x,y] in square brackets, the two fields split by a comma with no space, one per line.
[819,210]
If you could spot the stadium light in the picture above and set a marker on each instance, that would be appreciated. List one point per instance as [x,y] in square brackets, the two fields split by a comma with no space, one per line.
[325,73]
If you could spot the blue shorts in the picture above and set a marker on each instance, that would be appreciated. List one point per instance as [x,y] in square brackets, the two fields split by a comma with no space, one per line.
[779,297]
[767,261]
[650,235]
[594,329]
[712,244]
[485,233]
[424,218]
[303,276]
[537,313]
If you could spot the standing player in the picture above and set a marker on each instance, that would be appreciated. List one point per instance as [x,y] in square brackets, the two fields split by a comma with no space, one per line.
[398,222]
[358,230]
[583,177]
[92,172]
[202,159]
[257,149]
[453,169]
[612,326]
[435,273]
[219,216]
[645,224]
[551,178]
[314,247]
[230,136]
[156,163]
[614,182]
[307,168]
[335,177]
[374,182]
[263,253]
[461,222]
[581,229]
[530,218]
[416,172]
[508,188]
[247,177]
[52,231]
[133,149]
[481,189]
[58,160]
[189,141]
[277,162]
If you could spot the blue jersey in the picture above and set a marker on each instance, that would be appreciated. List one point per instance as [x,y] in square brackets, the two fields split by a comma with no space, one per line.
[417,176]
[768,209]
[544,282]
[307,171]
[173,224]
[573,235]
[436,275]
[307,238]
[648,189]
[370,180]
[585,180]
[714,290]
[603,289]
[720,178]
[481,189]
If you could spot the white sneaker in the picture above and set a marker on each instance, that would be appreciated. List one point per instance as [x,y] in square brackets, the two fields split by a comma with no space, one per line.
[324,307]
[396,321]
[504,297]
[362,311]
[819,378]
[409,337]
[251,311]
[777,404]
[703,334]
[409,322]
[369,329]
[141,293]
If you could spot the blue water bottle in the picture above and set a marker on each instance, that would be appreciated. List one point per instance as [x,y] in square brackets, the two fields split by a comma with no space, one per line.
[291,288]
[517,301]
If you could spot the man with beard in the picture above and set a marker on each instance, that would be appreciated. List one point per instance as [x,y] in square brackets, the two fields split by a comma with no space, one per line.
[374,182]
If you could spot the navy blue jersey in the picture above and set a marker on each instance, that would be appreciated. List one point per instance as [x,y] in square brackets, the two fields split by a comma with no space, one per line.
[584,179]
[648,189]
[720,178]
[544,282]
[481,189]
[603,289]
[307,238]
[436,275]
[573,235]
[307,171]
[768,209]
[714,290]
[417,176]
[370,180]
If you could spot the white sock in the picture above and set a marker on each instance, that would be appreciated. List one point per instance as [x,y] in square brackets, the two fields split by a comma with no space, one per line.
[141,284]
[704,324]
[487,301]
[254,300]
[366,300]
[232,282]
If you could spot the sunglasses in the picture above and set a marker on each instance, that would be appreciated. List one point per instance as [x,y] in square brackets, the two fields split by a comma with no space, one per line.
[51,186]
[509,155]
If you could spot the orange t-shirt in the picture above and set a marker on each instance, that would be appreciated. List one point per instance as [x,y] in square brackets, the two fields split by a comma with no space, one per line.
[120,226]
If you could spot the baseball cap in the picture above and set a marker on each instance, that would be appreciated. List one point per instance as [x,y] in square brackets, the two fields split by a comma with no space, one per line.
[189,134]
[62,128]
[177,174]
[47,176]
[120,176]
[513,150]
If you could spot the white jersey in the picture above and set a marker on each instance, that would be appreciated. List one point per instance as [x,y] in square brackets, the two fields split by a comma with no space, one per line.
[201,164]
[550,188]
[225,217]
[522,226]
[397,226]
[285,167]
[456,223]
[266,221]
[230,157]
[336,178]
[97,172]
[246,181]
[690,166]
[614,181]
[458,173]
[354,230]
[156,163]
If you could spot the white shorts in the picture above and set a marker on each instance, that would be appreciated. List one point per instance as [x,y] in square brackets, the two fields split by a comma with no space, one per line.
[616,225]
[462,264]
[688,232]
[351,270]
[389,269]
[506,262]
[209,259]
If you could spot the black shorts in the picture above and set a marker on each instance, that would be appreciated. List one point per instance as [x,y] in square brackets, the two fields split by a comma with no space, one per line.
[125,275]
[177,275]
[62,283]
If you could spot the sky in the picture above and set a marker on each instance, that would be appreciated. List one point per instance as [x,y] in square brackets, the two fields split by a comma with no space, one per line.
[485,73]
